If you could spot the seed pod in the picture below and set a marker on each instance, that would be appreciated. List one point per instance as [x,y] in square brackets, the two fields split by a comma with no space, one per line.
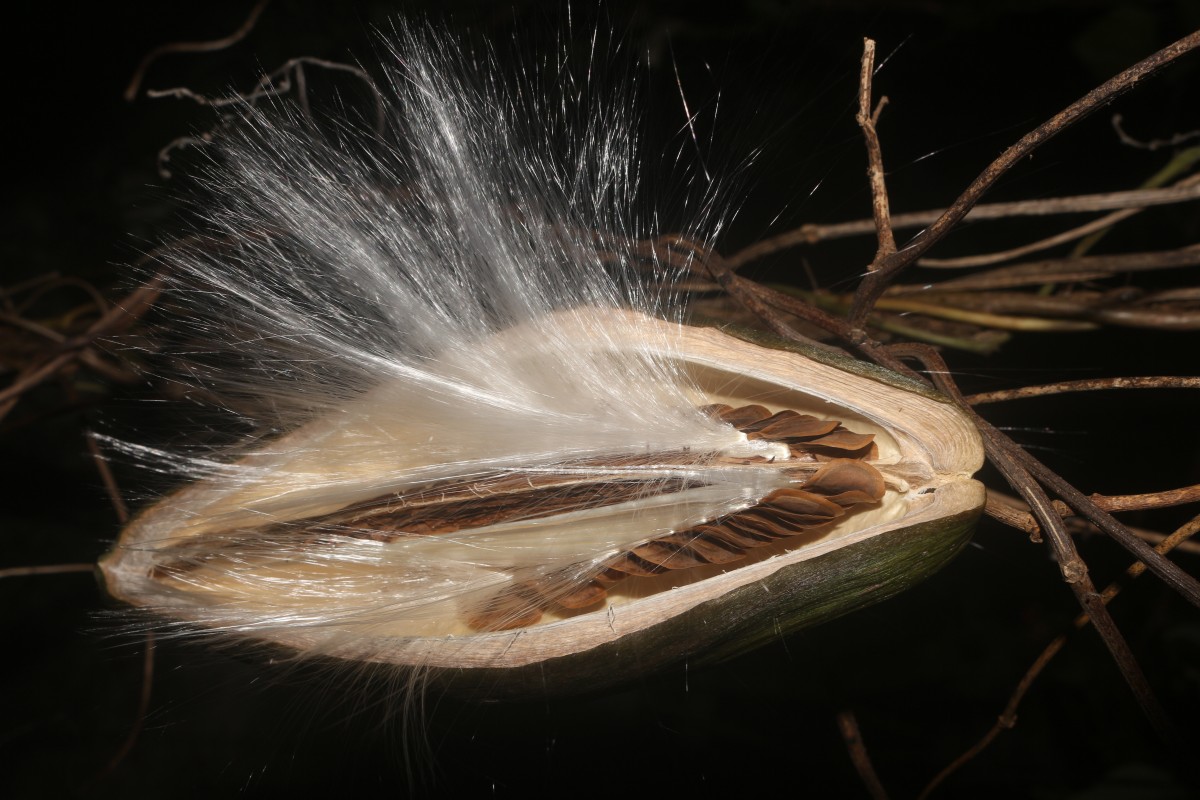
[294,581]
[477,448]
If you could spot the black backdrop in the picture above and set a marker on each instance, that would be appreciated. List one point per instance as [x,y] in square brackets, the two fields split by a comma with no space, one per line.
[926,672]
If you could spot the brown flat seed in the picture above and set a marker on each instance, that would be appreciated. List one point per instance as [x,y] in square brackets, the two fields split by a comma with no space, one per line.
[798,427]
[746,415]
[668,555]
[513,608]
[777,417]
[608,577]
[852,498]
[734,536]
[840,483]
[800,502]
[758,530]
[791,524]
[840,440]
[630,564]
[847,482]
[587,595]
[715,410]
[714,551]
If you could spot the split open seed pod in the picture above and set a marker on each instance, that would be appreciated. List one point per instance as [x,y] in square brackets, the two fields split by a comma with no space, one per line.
[842,484]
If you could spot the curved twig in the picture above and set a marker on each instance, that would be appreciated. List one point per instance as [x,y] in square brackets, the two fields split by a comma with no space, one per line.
[135,83]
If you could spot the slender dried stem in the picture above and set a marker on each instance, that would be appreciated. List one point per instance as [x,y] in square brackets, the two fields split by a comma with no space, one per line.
[1107,201]
[143,707]
[848,725]
[131,91]
[1148,500]
[1011,511]
[1019,470]
[866,120]
[1189,185]
[1008,717]
[986,259]
[1086,385]
[117,318]
[48,569]
[1061,270]
[878,279]
[110,483]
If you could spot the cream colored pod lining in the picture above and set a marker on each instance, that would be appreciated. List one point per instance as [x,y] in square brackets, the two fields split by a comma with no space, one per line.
[297,550]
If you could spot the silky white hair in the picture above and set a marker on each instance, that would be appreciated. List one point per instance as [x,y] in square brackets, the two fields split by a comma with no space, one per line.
[433,303]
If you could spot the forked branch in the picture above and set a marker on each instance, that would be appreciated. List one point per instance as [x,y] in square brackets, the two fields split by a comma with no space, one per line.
[884,269]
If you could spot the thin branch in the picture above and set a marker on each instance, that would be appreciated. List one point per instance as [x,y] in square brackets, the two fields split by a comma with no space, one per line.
[866,120]
[983,342]
[143,707]
[1068,310]
[110,483]
[28,379]
[986,259]
[114,320]
[875,282]
[1008,717]
[56,281]
[744,291]
[848,726]
[260,92]
[792,305]
[1114,503]
[48,569]
[1153,144]
[18,321]
[1107,201]
[1014,513]
[1168,572]
[1061,270]
[988,316]
[1020,470]
[1085,385]
[131,91]
[1191,182]
[276,83]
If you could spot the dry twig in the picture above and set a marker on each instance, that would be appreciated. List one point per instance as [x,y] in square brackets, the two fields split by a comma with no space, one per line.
[1086,385]
[135,83]
[848,725]
[813,233]
[1008,717]
[866,119]
[887,268]
[1023,473]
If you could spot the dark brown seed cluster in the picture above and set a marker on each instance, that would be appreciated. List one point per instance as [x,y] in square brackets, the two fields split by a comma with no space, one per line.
[839,479]
[843,481]
[805,435]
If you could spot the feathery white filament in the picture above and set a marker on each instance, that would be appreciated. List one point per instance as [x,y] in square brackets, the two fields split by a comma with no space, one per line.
[441,303]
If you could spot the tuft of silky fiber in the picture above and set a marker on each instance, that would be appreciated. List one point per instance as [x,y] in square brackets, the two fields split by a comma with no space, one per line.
[436,308]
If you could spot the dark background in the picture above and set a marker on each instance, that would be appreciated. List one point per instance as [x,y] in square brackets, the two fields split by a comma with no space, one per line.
[926,673]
